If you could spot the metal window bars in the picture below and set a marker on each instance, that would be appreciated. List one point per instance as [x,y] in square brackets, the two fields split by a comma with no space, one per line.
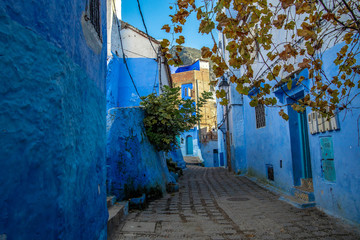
[260,116]
[94,10]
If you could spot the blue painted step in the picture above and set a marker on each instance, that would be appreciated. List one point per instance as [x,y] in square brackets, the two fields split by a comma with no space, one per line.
[110,200]
[296,202]
[302,194]
[138,203]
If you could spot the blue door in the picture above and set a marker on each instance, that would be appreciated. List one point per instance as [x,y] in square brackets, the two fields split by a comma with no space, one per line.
[222,159]
[299,139]
[216,158]
[189,145]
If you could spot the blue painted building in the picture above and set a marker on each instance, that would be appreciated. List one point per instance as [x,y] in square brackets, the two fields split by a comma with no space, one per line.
[307,158]
[194,79]
[209,151]
[136,68]
[144,71]
[52,118]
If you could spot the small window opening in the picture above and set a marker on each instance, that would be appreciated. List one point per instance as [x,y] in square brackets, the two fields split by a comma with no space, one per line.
[94,10]
[270,172]
[260,116]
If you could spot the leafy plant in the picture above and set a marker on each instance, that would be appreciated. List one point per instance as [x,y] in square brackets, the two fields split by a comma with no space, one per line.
[167,116]
[173,167]
[271,40]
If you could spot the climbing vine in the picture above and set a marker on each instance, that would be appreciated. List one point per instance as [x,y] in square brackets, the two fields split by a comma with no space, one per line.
[167,116]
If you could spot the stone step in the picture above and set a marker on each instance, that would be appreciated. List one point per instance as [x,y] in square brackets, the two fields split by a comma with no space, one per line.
[302,194]
[116,213]
[296,202]
[110,200]
[307,184]
[192,160]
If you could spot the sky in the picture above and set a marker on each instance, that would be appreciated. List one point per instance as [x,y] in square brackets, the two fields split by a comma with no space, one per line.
[156,14]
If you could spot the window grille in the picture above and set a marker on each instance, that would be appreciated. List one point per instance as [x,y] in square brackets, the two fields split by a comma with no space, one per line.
[260,116]
[95,15]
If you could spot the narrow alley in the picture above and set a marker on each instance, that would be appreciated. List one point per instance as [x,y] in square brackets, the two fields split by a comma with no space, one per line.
[214,204]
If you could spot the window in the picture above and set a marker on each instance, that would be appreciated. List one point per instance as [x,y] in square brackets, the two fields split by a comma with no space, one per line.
[185,92]
[327,159]
[91,25]
[94,10]
[260,116]
[188,92]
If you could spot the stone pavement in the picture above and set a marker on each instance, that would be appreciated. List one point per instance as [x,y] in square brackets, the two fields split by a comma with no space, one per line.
[213,204]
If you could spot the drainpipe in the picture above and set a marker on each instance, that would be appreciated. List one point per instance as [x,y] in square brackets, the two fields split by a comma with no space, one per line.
[228,149]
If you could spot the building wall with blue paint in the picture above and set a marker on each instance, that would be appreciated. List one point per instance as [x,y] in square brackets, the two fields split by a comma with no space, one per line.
[52,118]
[176,156]
[278,145]
[146,70]
[237,131]
[207,151]
[190,144]
[272,146]
[120,89]
[340,197]
[268,146]
[133,164]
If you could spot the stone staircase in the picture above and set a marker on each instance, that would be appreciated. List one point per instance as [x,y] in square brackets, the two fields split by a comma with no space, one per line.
[117,211]
[302,196]
[192,160]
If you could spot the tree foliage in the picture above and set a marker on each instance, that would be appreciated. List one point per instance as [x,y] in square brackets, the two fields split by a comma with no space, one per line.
[271,40]
[167,115]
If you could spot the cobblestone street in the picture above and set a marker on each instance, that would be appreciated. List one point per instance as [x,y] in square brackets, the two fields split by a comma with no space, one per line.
[213,204]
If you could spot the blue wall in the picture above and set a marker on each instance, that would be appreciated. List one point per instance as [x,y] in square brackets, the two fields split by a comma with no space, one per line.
[268,145]
[132,162]
[207,151]
[196,144]
[342,197]
[184,90]
[177,157]
[52,118]
[237,131]
[120,89]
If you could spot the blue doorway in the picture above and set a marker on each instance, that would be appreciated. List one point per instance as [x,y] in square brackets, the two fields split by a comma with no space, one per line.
[300,150]
[215,158]
[189,145]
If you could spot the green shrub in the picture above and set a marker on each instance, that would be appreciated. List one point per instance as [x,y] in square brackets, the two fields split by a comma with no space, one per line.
[167,116]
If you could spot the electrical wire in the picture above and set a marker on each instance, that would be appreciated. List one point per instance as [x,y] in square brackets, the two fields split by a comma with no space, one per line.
[142,18]
[122,49]
[140,54]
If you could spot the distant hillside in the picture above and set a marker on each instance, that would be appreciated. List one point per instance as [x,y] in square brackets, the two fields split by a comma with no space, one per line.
[188,55]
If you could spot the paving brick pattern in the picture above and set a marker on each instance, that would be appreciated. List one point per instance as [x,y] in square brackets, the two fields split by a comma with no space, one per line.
[213,204]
